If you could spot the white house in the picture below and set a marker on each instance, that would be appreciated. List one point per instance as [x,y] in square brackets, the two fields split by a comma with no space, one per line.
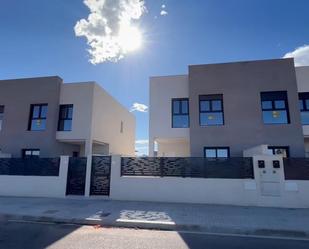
[43,116]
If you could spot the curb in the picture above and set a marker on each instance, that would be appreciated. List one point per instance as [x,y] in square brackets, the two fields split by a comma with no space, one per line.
[160,226]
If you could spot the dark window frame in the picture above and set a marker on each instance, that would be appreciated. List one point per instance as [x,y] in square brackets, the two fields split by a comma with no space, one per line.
[75,154]
[23,151]
[210,98]
[31,118]
[286,148]
[2,108]
[180,111]
[61,119]
[303,96]
[272,97]
[217,148]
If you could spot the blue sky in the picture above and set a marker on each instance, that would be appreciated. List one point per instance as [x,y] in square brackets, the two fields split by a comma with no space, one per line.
[38,39]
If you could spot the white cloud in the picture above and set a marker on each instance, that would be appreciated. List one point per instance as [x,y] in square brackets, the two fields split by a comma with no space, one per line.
[108,28]
[300,54]
[163,6]
[163,13]
[142,142]
[139,107]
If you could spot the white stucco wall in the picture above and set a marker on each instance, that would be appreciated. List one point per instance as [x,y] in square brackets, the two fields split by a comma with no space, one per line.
[162,90]
[97,118]
[106,123]
[36,186]
[81,96]
[175,148]
[244,192]
[302,76]
[178,189]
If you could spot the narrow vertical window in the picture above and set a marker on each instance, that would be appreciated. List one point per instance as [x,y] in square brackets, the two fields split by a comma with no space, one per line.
[304,107]
[37,120]
[65,118]
[275,107]
[121,127]
[1,116]
[211,110]
[180,113]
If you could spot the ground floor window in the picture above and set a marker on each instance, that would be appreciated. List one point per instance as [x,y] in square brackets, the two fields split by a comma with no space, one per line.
[26,153]
[280,150]
[216,152]
[75,154]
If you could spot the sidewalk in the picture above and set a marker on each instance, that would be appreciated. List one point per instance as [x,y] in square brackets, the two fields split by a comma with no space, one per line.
[189,217]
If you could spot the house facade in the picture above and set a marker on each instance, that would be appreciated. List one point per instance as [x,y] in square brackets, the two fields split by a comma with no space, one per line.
[220,110]
[45,117]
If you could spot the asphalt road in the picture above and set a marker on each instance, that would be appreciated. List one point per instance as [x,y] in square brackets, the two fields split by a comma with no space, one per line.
[15,235]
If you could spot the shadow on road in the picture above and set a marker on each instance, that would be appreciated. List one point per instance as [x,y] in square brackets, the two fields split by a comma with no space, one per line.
[16,235]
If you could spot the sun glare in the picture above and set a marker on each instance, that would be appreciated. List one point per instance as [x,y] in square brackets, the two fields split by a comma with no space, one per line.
[130,39]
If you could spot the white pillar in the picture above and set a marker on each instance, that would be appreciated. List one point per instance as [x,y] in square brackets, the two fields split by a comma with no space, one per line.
[88,175]
[88,147]
[115,176]
[151,147]
[63,172]
[88,154]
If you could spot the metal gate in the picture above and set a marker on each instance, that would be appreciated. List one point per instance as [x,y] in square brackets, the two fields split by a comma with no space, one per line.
[100,175]
[76,180]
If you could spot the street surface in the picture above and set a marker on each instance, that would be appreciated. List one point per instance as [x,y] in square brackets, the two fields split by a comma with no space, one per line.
[24,235]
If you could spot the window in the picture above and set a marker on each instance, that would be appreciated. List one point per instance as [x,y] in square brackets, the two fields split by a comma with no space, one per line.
[304,107]
[38,113]
[216,152]
[65,118]
[211,110]
[26,153]
[180,113]
[1,115]
[280,150]
[75,154]
[121,127]
[275,107]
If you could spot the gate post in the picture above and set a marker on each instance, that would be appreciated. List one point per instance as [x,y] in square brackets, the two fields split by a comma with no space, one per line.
[63,172]
[88,175]
[115,174]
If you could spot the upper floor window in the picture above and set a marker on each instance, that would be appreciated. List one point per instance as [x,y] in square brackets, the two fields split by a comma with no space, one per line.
[280,150]
[211,110]
[65,118]
[180,113]
[275,107]
[216,152]
[304,107]
[1,115]
[38,114]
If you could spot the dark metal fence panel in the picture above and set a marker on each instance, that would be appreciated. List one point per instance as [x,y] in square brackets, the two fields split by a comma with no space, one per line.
[140,166]
[30,166]
[100,175]
[76,180]
[229,168]
[296,168]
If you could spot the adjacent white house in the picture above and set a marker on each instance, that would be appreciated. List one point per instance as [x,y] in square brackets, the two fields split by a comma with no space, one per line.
[163,138]
[46,117]
[223,109]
